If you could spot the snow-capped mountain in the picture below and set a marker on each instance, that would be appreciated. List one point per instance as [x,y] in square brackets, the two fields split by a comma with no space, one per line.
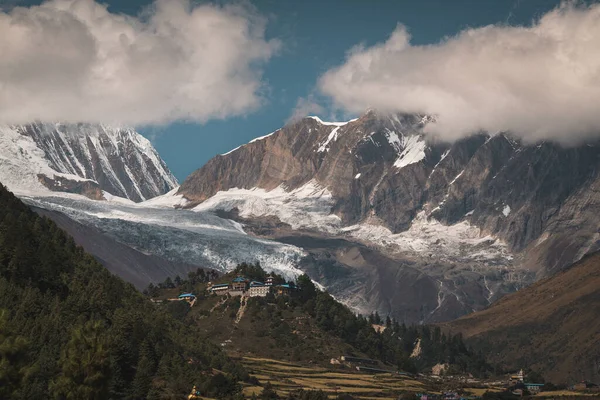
[473,219]
[97,161]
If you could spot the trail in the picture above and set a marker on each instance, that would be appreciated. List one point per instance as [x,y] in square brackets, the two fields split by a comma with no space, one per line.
[240,313]
[220,303]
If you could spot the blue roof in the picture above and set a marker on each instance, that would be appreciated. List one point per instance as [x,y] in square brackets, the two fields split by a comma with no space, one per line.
[240,279]
[285,285]
[187,295]
[534,384]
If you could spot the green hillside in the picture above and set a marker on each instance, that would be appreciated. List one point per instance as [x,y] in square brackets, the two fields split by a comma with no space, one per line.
[310,327]
[71,330]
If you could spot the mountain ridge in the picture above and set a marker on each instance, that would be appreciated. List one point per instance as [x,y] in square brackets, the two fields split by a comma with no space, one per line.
[88,159]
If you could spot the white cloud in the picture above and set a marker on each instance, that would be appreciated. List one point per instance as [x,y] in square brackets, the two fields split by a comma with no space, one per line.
[73,61]
[540,82]
[305,106]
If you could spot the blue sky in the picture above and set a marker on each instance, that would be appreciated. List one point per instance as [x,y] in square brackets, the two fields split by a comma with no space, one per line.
[315,36]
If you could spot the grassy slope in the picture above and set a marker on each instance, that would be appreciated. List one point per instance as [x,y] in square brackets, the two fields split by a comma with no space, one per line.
[552,326]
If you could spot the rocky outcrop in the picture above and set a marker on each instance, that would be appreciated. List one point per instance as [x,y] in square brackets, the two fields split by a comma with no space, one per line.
[82,158]
[381,169]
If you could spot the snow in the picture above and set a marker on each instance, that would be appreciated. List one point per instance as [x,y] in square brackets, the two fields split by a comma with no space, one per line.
[308,206]
[456,177]
[357,176]
[410,148]
[438,163]
[414,151]
[332,136]
[64,151]
[506,210]
[116,199]
[262,137]
[196,237]
[319,120]
[232,150]
[21,161]
[168,200]
[469,213]
[428,236]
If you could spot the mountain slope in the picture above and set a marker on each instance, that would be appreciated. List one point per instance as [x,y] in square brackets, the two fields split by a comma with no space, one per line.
[70,329]
[380,171]
[551,326]
[82,158]
[124,261]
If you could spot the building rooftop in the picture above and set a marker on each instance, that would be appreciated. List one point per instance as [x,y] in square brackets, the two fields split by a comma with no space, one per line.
[221,285]
[240,279]
[256,283]
[187,295]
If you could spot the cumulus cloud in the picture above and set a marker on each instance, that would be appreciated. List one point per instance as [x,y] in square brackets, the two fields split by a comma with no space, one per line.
[73,61]
[305,106]
[539,82]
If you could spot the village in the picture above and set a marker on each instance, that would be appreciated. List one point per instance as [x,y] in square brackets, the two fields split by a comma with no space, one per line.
[244,287]
[436,384]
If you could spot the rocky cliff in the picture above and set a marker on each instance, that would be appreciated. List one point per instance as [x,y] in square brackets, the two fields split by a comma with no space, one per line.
[82,158]
[381,170]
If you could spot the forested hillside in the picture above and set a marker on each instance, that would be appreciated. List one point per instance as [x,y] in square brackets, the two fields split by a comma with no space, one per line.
[310,326]
[71,330]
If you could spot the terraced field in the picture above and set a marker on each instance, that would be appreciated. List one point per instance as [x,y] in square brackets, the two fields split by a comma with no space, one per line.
[286,377]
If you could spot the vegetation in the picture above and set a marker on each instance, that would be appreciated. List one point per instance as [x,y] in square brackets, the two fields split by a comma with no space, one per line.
[71,330]
[310,325]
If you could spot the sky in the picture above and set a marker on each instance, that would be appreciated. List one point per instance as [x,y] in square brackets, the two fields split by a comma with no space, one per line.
[200,79]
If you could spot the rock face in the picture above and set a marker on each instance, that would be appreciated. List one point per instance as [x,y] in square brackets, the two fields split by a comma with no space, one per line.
[82,158]
[433,230]
[381,170]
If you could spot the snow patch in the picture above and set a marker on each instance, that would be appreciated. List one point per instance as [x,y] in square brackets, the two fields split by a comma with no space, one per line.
[414,151]
[319,120]
[332,136]
[169,200]
[425,236]
[260,138]
[357,176]
[506,210]
[308,206]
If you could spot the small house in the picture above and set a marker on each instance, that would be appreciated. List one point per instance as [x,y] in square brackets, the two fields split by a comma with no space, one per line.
[220,289]
[239,284]
[258,289]
[284,289]
[189,297]
[269,280]
[534,387]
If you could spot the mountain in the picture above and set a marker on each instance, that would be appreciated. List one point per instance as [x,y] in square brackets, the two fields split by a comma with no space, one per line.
[465,223]
[70,329]
[551,326]
[380,171]
[124,261]
[378,214]
[97,161]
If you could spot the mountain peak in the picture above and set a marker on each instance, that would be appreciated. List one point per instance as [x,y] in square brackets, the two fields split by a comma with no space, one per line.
[83,158]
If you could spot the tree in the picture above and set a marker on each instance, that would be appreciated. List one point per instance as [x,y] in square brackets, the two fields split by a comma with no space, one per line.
[13,362]
[268,393]
[84,363]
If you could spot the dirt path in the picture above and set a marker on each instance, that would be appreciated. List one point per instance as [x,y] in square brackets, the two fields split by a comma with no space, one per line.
[240,313]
